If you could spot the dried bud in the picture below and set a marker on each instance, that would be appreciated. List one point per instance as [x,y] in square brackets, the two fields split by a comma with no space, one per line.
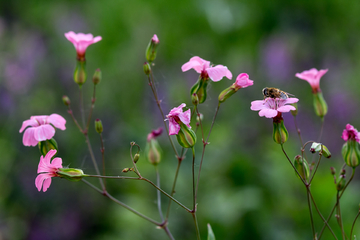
[97,76]
[125,170]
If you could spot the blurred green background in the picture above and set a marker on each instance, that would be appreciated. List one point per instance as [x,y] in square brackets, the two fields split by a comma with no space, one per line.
[248,190]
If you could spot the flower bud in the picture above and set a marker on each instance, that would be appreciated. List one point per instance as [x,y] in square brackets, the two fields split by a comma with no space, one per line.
[199,117]
[47,145]
[136,157]
[280,133]
[199,89]
[80,73]
[341,183]
[66,100]
[322,149]
[71,174]
[147,68]
[186,137]
[194,99]
[98,126]
[333,171]
[125,170]
[153,151]
[294,112]
[351,154]
[302,167]
[150,53]
[97,76]
[225,94]
[320,104]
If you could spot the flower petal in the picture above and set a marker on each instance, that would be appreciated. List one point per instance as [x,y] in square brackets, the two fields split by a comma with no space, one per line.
[218,72]
[268,113]
[28,137]
[257,105]
[57,120]
[196,63]
[43,180]
[44,132]
[185,117]
[26,123]
[286,108]
[174,127]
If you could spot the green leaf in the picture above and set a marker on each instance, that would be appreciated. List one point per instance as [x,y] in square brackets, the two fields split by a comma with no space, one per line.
[211,235]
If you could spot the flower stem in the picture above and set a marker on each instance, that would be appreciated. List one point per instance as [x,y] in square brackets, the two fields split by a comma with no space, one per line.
[92,107]
[173,188]
[158,193]
[196,225]
[193,178]
[103,158]
[82,107]
[352,227]
[339,215]
[310,211]
[92,156]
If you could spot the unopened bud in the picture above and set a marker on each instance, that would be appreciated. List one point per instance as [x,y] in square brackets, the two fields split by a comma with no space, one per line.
[333,171]
[194,99]
[66,100]
[71,174]
[98,126]
[200,88]
[125,170]
[150,53]
[199,117]
[320,104]
[321,148]
[47,145]
[351,154]
[80,73]
[302,167]
[225,94]
[280,133]
[153,151]
[97,76]
[186,137]
[136,157]
[147,68]
[341,183]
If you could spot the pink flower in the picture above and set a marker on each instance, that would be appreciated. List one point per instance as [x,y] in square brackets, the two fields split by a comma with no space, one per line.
[47,170]
[203,67]
[154,133]
[176,116]
[81,41]
[351,133]
[271,107]
[155,39]
[41,129]
[243,81]
[312,76]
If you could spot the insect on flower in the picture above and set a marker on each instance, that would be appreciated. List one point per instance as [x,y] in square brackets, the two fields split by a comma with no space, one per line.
[270,92]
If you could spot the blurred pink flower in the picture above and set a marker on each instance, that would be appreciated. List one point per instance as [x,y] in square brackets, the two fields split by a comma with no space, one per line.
[270,107]
[312,76]
[203,67]
[350,133]
[243,81]
[155,39]
[47,170]
[41,129]
[154,133]
[175,116]
[81,41]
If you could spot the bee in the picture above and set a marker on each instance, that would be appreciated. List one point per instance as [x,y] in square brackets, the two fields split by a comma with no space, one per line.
[270,92]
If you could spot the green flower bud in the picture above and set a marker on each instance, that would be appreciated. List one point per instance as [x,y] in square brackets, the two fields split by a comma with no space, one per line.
[80,73]
[66,100]
[316,147]
[280,133]
[97,76]
[153,151]
[332,170]
[225,94]
[186,137]
[147,68]
[194,99]
[320,104]
[46,146]
[199,89]
[302,167]
[150,53]
[136,157]
[71,174]
[98,126]
[351,154]
[341,183]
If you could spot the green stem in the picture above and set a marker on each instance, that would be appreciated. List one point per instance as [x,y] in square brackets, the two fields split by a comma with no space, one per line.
[158,193]
[310,210]
[196,225]
[82,107]
[91,108]
[322,128]
[103,158]
[352,227]
[339,215]
[173,188]
[92,156]
[193,178]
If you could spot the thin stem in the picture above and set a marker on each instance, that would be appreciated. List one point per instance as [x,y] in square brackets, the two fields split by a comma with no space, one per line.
[92,156]
[132,158]
[193,178]
[282,147]
[352,227]
[103,158]
[196,225]
[82,106]
[298,131]
[317,165]
[158,193]
[339,215]
[310,211]
[201,126]
[173,188]
[334,207]
[74,119]
[322,128]
[91,108]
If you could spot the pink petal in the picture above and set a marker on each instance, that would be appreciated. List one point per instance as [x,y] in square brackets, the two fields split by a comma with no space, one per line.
[155,39]
[291,100]
[43,180]
[257,105]
[268,113]
[218,72]
[185,117]
[26,123]
[243,81]
[57,120]
[286,108]
[174,127]
[56,163]
[195,62]
[29,137]
[44,132]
